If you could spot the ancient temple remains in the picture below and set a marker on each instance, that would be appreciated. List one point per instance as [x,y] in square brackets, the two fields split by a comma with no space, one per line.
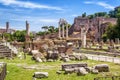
[63,23]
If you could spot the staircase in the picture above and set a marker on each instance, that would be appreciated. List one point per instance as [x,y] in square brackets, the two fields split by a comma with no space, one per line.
[5,51]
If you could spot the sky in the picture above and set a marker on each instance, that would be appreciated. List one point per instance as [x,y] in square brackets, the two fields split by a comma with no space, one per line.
[40,13]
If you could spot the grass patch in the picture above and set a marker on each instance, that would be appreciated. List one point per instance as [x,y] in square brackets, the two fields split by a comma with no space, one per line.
[17,72]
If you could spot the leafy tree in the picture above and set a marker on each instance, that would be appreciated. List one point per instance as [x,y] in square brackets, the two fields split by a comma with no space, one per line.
[90,16]
[45,28]
[56,30]
[20,35]
[100,14]
[84,14]
[111,32]
[118,16]
[8,36]
[40,33]
[51,29]
[112,13]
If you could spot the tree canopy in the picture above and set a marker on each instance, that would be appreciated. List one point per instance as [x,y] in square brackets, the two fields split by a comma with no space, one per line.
[113,31]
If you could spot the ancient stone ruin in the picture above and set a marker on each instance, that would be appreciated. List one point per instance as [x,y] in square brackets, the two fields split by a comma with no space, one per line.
[63,23]
[83,69]
[40,75]
[3,70]
[5,52]
[97,27]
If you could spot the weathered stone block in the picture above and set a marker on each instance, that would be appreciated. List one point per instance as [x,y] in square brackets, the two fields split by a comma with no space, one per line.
[94,71]
[40,74]
[69,71]
[50,60]
[66,59]
[88,69]
[102,68]
[81,57]
[77,65]
[82,71]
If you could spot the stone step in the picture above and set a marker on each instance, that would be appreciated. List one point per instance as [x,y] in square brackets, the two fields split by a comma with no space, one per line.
[5,51]
[5,55]
[4,48]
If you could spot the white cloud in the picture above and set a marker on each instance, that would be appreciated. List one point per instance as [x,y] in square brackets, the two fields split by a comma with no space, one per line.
[103,4]
[35,19]
[74,15]
[2,27]
[28,4]
[88,2]
[48,20]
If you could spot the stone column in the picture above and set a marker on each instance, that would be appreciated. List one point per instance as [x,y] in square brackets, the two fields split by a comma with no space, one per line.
[59,31]
[83,37]
[67,31]
[98,29]
[63,30]
[7,26]
[27,28]
[84,40]
[27,36]
[116,40]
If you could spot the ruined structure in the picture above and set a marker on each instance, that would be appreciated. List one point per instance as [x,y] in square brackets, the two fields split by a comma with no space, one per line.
[96,26]
[7,26]
[3,70]
[84,29]
[27,37]
[63,23]
[7,29]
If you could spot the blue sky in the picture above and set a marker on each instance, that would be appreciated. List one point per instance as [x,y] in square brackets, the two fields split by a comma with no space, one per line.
[48,12]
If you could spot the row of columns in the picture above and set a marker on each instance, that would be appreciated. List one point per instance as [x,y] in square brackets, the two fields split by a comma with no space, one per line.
[63,23]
